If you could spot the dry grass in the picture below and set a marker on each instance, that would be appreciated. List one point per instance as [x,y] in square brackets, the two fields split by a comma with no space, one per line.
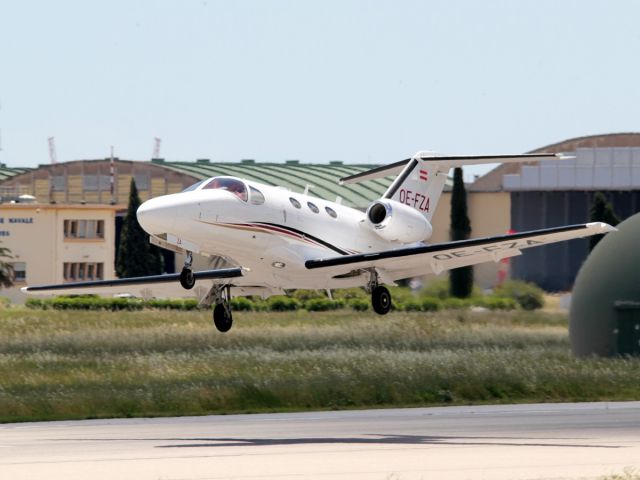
[65,364]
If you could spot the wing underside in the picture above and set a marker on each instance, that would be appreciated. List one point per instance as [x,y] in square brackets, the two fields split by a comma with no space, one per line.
[434,259]
[154,285]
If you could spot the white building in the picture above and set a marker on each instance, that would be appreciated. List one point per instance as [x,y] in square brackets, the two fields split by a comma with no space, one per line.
[52,243]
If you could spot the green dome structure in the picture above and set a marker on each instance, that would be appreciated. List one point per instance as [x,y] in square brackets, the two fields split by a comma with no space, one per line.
[605,305]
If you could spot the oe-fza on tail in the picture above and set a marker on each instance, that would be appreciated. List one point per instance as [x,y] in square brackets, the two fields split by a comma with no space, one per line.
[273,240]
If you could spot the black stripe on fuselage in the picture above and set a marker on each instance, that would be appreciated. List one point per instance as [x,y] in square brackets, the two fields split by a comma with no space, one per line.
[305,234]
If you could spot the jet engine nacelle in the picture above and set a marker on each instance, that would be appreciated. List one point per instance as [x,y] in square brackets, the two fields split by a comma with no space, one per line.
[397,222]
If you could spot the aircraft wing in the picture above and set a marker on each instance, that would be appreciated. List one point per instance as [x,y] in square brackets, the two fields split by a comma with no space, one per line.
[426,259]
[153,285]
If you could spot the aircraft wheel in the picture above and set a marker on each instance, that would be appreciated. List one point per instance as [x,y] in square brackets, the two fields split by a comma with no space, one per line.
[187,280]
[222,318]
[381,300]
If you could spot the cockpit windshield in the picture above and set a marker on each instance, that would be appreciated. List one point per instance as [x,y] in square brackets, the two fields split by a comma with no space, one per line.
[194,186]
[233,185]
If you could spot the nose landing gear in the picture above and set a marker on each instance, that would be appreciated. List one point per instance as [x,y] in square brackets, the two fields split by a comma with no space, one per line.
[187,280]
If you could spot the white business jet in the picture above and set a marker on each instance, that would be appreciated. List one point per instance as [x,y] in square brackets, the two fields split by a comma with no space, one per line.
[273,240]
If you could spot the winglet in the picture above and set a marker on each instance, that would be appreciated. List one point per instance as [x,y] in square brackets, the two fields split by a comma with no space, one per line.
[601,227]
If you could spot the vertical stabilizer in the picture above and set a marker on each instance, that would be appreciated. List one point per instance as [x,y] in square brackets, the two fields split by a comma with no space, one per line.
[420,184]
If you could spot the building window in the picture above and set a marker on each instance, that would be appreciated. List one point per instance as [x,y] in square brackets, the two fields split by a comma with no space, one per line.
[83,229]
[58,183]
[142,181]
[93,183]
[19,272]
[82,271]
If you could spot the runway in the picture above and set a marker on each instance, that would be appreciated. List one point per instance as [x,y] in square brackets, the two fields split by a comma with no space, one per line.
[541,441]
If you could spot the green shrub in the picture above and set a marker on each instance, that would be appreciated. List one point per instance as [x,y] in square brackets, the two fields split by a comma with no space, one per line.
[359,304]
[410,306]
[35,303]
[303,295]
[350,293]
[242,304]
[436,289]
[431,304]
[190,304]
[453,303]
[493,302]
[280,303]
[528,295]
[323,305]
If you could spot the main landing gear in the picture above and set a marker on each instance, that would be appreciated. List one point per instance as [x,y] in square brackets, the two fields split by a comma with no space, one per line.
[380,296]
[187,280]
[220,296]
[222,318]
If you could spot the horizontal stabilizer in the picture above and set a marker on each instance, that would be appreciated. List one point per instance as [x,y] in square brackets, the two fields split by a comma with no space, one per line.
[449,161]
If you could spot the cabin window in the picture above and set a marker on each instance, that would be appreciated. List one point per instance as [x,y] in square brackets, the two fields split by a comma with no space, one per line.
[295,202]
[232,185]
[257,198]
[331,212]
[313,207]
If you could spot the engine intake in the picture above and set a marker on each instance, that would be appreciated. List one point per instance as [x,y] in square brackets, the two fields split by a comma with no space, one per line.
[397,222]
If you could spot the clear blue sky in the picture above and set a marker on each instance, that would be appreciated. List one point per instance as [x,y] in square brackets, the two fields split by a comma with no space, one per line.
[359,81]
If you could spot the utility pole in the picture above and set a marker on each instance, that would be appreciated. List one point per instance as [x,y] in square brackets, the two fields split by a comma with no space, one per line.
[52,151]
[112,178]
[0,133]
[156,147]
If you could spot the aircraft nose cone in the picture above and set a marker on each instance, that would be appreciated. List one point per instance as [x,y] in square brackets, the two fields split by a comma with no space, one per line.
[155,216]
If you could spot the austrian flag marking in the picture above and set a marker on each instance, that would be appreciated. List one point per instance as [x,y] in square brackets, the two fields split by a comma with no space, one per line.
[424,175]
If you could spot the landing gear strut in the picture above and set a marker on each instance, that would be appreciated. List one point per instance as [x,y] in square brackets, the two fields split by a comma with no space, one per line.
[380,296]
[187,280]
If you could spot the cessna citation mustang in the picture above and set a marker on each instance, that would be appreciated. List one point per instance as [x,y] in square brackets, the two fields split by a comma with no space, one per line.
[273,240]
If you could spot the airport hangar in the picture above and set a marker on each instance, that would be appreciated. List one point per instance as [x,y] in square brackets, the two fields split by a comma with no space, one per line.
[62,221]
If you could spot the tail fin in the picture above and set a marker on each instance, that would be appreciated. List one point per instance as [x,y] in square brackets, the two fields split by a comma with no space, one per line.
[421,178]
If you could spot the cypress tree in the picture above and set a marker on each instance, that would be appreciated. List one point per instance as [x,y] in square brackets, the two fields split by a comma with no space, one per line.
[6,269]
[601,211]
[136,256]
[460,279]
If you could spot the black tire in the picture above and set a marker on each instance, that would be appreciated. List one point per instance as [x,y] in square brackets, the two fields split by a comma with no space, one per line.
[187,280]
[222,318]
[381,300]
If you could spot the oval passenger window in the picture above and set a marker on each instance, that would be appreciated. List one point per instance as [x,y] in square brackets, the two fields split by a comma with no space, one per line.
[294,202]
[332,213]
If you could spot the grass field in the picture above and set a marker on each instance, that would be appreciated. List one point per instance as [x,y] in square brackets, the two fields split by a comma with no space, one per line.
[71,364]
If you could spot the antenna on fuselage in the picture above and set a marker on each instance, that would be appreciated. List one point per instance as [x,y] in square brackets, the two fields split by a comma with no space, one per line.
[307,188]
[338,200]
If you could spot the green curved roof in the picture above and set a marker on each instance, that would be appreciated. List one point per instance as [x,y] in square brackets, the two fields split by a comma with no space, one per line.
[6,172]
[323,178]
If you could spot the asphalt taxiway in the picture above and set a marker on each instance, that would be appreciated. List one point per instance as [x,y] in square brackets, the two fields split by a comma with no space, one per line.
[541,441]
